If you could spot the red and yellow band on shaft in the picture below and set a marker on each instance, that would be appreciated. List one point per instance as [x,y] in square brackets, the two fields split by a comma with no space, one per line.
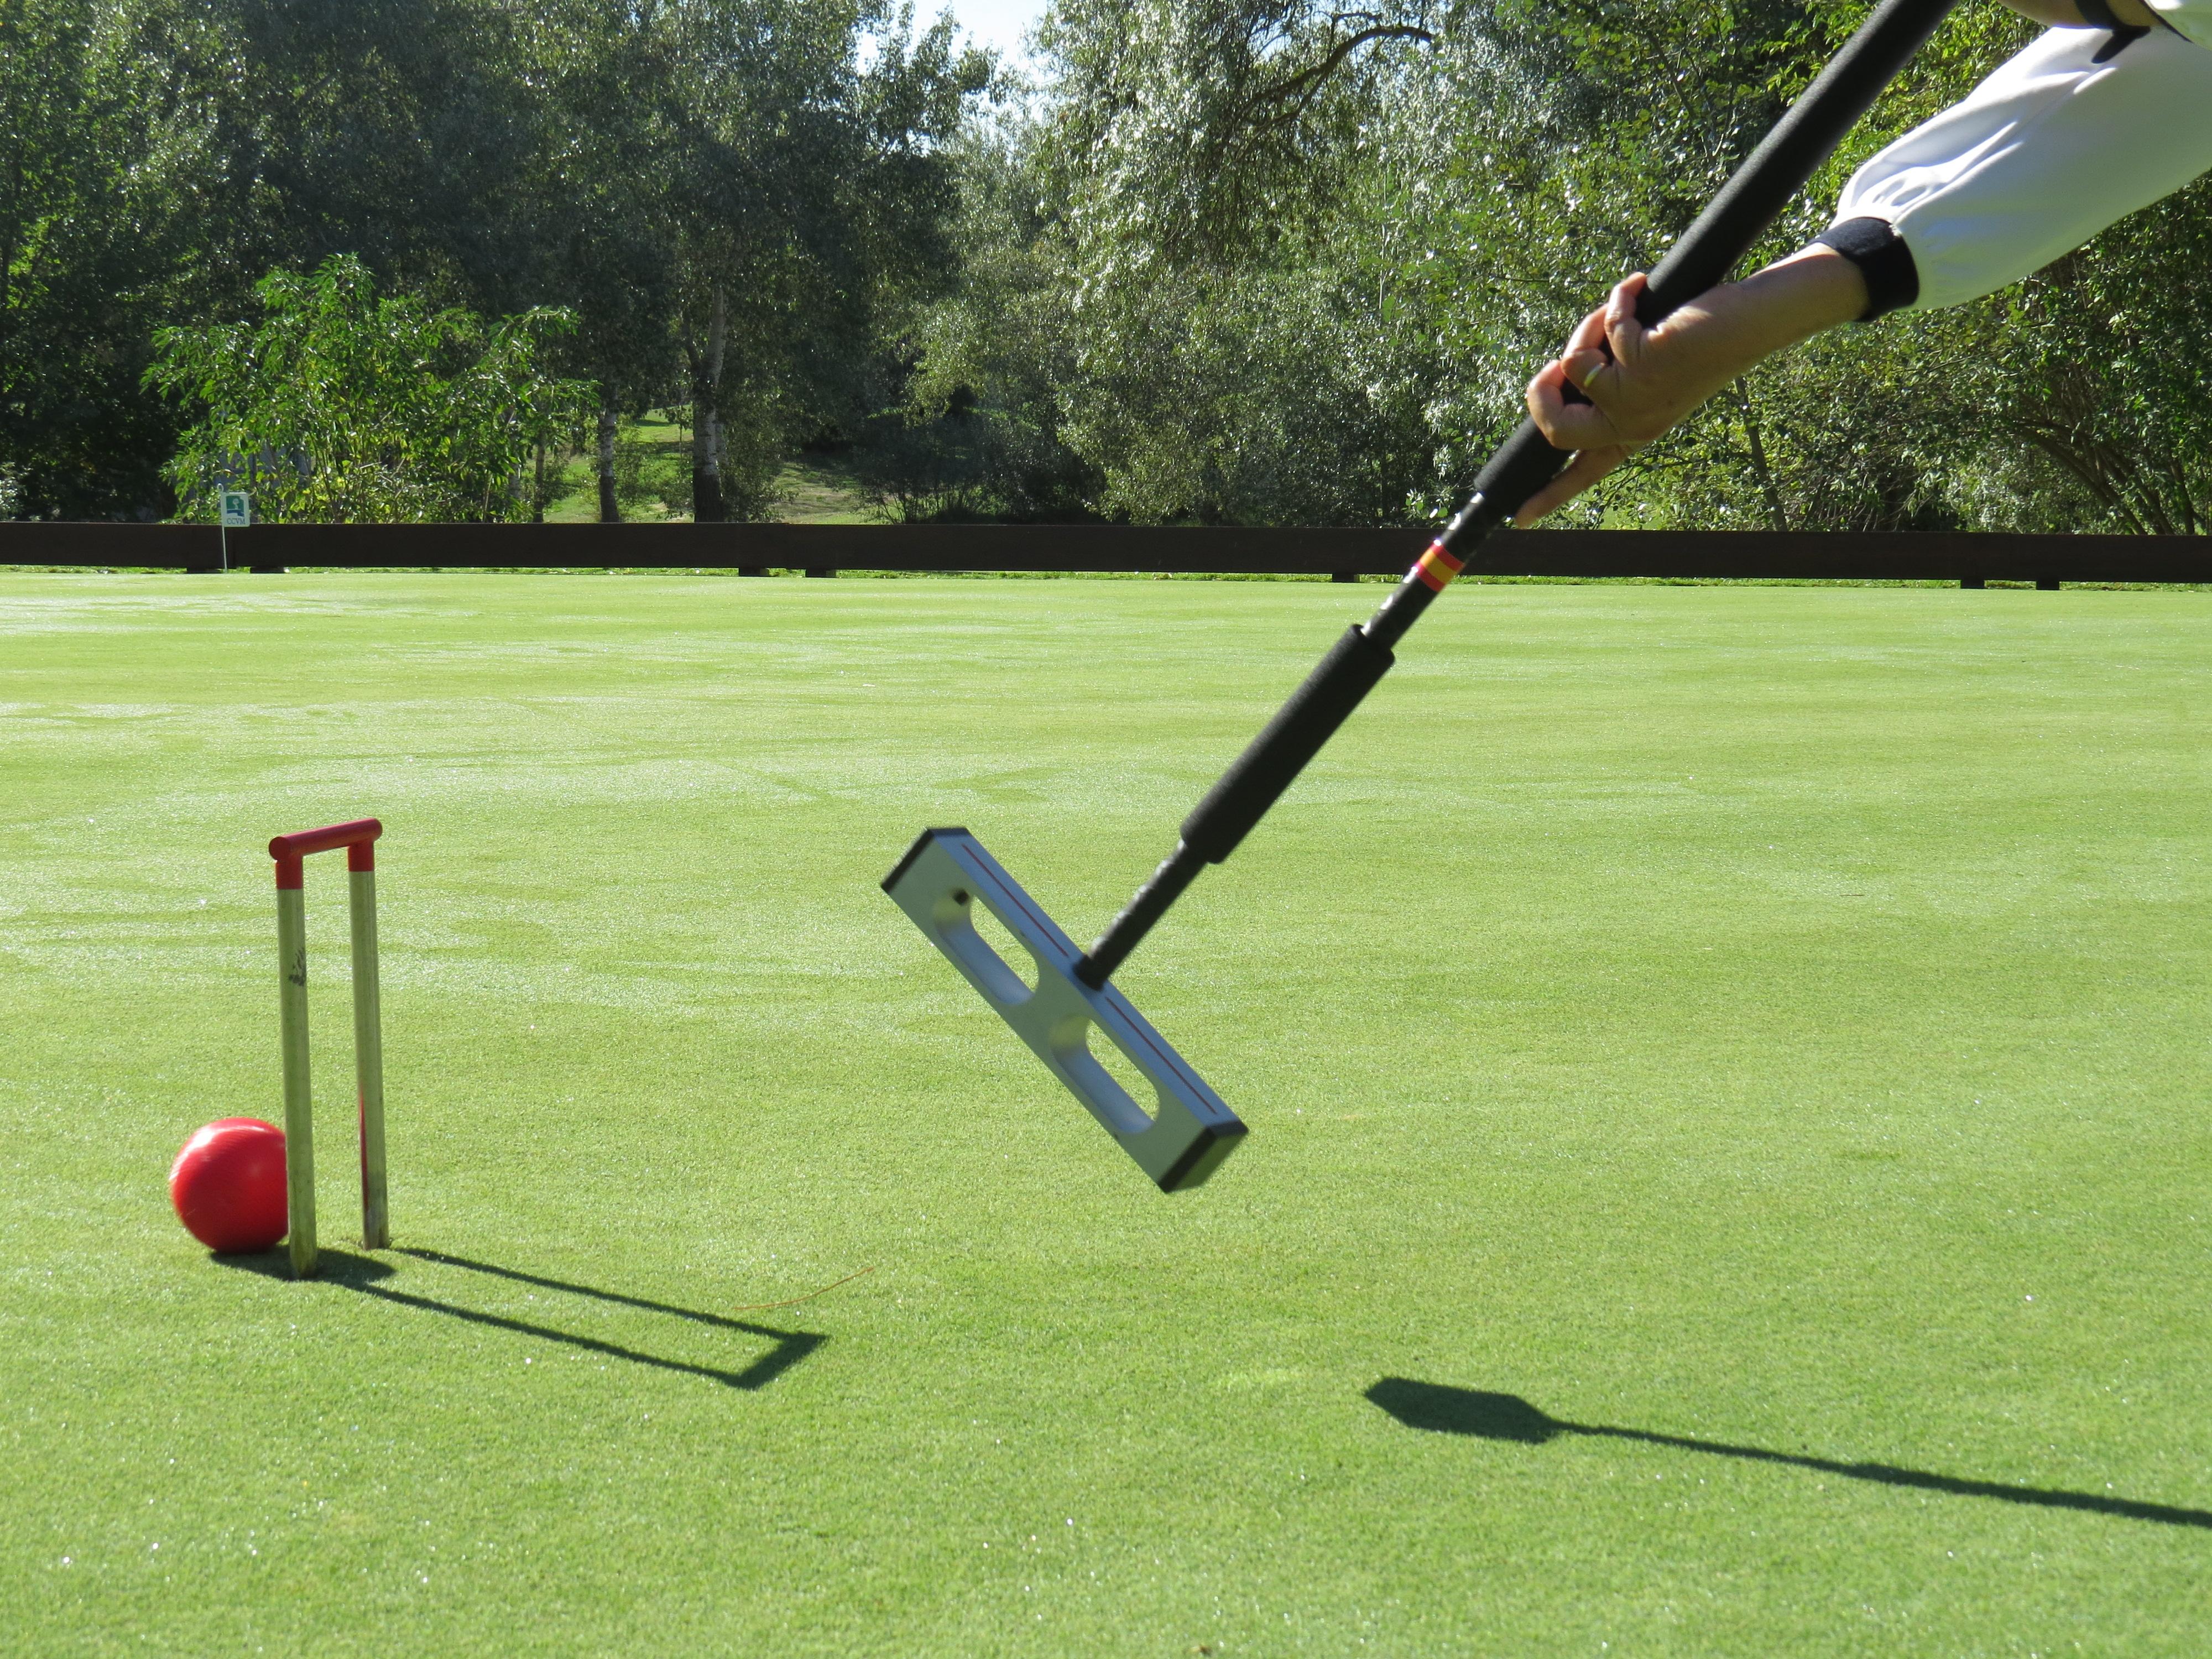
[1437,566]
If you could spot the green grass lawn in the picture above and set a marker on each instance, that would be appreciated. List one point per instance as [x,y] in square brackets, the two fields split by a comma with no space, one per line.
[1728,1072]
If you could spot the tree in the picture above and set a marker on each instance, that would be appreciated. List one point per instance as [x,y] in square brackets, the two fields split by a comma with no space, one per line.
[342,407]
[401,131]
[751,205]
[99,164]
[811,196]
[2109,374]
[978,432]
[155,155]
[740,201]
[1303,257]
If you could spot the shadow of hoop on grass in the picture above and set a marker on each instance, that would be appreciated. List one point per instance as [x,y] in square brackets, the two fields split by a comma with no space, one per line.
[363,1274]
[1440,1408]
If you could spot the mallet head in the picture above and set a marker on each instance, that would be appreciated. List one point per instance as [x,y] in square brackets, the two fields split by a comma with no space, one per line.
[938,883]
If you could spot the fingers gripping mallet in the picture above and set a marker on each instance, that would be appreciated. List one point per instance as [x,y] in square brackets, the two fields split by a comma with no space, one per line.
[946,872]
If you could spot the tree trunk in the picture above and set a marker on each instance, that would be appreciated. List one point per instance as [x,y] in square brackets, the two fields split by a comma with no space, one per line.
[1778,516]
[609,511]
[706,424]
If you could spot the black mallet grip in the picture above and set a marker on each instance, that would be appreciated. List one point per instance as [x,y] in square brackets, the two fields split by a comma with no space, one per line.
[1272,760]
[1251,785]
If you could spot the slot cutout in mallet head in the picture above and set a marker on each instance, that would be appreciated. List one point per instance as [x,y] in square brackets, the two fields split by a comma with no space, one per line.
[1175,1127]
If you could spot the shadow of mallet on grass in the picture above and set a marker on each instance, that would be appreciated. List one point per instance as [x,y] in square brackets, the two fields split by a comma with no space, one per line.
[1440,1408]
[349,1271]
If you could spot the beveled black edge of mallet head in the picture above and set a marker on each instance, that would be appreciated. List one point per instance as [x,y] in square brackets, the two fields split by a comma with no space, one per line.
[1187,1131]
[920,841]
[1701,256]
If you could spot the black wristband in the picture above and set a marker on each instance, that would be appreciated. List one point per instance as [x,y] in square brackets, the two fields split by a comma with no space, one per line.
[2098,14]
[1892,279]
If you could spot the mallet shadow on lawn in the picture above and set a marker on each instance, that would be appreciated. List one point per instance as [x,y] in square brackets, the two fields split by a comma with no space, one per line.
[364,1273]
[1440,1408]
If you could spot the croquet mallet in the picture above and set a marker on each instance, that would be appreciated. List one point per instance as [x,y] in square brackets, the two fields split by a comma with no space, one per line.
[946,872]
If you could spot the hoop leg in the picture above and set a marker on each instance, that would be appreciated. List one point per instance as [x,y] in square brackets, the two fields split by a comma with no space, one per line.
[368,1062]
[299,1101]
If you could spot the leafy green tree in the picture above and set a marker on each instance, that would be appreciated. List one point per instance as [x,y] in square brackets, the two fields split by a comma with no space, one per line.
[741,202]
[598,177]
[979,433]
[404,131]
[155,155]
[341,406]
[99,165]
[812,193]
[753,201]
[2107,376]
[1290,262]
[1188,130]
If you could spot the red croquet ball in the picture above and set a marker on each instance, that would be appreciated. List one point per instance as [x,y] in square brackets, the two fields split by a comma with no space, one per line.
[228,1184]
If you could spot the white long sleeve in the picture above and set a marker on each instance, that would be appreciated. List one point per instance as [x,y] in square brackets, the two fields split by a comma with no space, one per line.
[2192,17]
[2045,153]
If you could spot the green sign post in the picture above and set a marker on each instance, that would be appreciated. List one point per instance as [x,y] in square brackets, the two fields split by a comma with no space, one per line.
[237,510]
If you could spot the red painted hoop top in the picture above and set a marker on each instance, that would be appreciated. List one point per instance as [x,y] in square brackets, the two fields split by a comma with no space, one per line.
[358,838]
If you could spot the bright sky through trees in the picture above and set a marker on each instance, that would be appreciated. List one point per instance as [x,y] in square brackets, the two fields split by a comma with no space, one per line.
[998,23]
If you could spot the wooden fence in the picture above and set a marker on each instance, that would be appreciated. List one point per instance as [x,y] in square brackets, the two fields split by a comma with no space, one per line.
[824,549]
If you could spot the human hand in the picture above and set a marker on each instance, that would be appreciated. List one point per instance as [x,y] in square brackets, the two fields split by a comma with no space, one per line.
[1607,359]
[1642,381]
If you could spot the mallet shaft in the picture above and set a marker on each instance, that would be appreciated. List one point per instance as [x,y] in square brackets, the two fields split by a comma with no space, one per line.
[1176,872]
